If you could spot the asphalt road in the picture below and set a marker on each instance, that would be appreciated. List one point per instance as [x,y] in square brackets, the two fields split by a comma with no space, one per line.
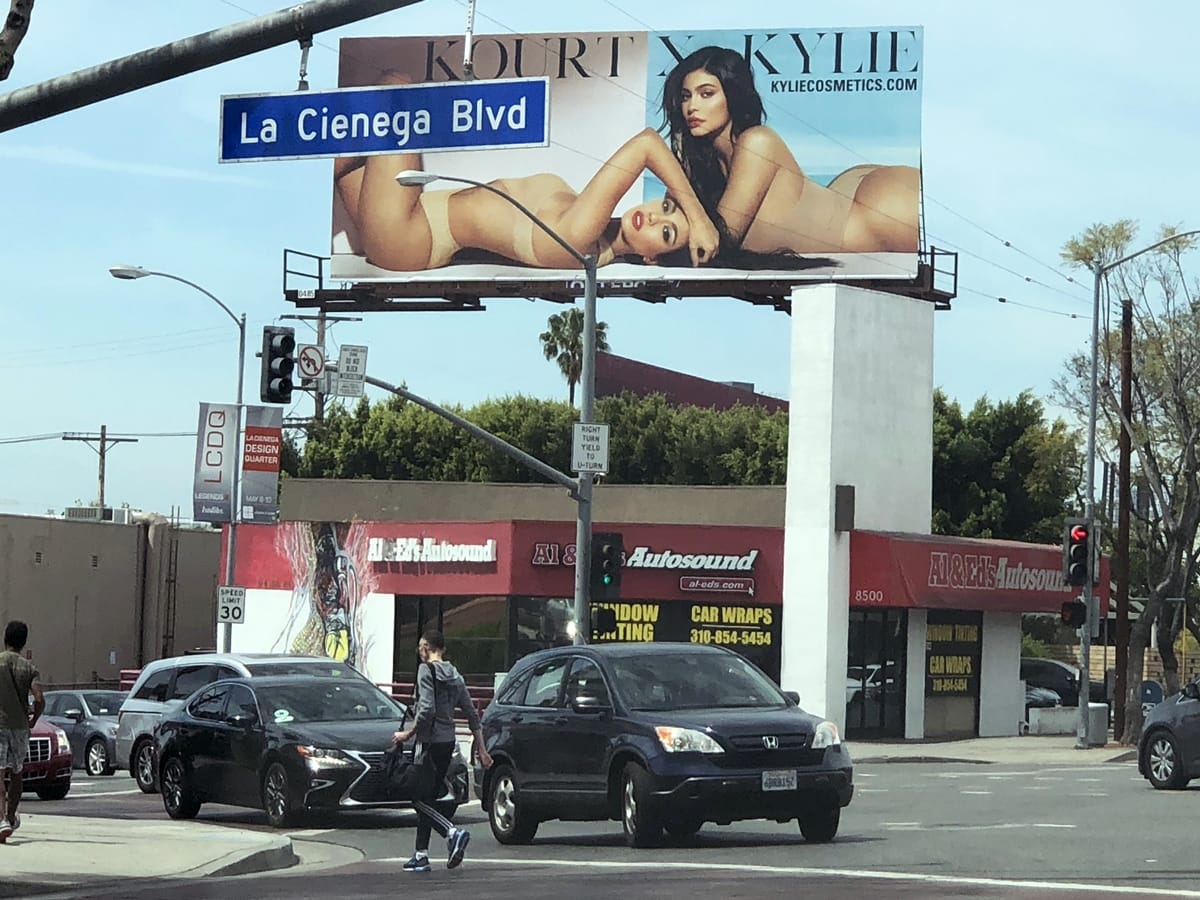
[913,830]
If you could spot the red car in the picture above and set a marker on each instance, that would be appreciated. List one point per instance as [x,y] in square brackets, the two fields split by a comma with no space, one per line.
[47,769]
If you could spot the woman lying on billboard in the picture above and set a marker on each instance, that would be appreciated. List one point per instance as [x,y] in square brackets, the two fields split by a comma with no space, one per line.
[405,228]
[750,183]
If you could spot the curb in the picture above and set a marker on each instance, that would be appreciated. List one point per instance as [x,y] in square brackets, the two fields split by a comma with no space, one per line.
[269,859]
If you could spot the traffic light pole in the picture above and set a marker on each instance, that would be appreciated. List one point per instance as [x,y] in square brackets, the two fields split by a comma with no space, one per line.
[587,408]
[235,486]
[1089,513]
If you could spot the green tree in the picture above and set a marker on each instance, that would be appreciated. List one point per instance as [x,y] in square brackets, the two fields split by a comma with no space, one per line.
[562,341]
[1163,425]
[1001,471]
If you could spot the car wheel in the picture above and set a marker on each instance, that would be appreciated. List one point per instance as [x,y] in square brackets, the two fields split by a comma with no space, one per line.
[277,797]
[54,791]
[1164,768]
[642,829]
[510,821]
[179,800]
[95,758]
[145,767]
[819,825]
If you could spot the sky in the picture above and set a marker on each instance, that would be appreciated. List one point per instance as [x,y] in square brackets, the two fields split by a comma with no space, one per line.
[1034,126]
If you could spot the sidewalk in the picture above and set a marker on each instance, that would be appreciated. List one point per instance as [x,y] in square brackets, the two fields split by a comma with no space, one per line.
[51,853]
[1033,750]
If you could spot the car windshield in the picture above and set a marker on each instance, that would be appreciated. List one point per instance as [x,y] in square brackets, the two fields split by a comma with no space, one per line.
[667,681]
[104,703]
[325,701]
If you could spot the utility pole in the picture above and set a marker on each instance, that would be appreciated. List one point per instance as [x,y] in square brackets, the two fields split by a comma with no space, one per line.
[104,440]
[1124,501]
[323,323]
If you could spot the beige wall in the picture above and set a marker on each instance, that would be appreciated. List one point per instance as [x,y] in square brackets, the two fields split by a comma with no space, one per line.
[80,587]
[310,499]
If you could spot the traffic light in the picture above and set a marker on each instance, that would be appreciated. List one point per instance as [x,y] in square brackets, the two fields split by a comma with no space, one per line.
[605,581]
[278,361]
[1077,552]
[1074,613]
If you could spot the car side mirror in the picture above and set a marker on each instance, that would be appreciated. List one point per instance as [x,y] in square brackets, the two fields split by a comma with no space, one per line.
[76,714]
[589,704]
[793,696]
[242,720]
[1191,690]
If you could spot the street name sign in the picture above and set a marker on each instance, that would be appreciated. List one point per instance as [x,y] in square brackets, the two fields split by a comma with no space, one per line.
[365,121]
[589,449]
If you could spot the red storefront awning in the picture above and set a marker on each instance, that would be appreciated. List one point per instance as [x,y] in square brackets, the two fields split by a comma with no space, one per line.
[916,571]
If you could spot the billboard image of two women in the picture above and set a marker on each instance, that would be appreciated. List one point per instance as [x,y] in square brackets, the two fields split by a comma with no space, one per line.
[688,156]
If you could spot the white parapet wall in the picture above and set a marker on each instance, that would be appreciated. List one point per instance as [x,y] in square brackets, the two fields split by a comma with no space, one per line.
[861,414]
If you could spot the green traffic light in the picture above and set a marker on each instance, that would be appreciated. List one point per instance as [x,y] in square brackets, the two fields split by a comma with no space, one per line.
[608,579]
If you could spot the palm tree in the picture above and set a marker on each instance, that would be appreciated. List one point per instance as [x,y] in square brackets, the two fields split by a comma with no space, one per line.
[563,341]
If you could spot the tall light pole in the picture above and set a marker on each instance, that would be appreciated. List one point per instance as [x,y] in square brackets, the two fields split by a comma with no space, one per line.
[1099,271]
[587,386]
[130,273]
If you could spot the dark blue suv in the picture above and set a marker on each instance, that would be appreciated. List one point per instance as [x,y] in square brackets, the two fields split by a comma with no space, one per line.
[659,736]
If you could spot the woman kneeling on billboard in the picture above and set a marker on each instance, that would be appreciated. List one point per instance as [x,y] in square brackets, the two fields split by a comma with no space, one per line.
[408,229]
[752,185]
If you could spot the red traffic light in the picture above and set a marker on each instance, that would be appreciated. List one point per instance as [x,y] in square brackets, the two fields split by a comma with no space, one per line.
[1079,533]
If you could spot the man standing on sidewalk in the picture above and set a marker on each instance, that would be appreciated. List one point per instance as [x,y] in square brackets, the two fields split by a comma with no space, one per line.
[18,679]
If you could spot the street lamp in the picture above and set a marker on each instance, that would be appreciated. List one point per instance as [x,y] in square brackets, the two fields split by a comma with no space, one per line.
[132,273]
[1099,270]
[587,386]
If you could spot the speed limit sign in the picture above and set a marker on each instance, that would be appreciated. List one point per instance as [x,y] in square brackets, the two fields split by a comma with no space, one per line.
[231,605]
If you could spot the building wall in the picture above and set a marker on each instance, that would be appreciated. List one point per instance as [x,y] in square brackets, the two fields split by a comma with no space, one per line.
[861,415]
[1001,699]
[319,500]
[81,587]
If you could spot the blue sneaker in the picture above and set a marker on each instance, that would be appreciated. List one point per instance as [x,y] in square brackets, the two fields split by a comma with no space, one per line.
[418,863]
[457,842]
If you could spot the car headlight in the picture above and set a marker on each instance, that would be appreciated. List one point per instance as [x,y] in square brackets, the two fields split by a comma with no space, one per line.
[324,757]
[826,735]
[62,742]
[686,740]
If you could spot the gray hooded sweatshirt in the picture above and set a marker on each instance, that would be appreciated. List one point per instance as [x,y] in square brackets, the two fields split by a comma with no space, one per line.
[440,688]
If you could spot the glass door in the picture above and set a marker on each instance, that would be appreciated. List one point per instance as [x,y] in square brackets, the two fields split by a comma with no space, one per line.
[875,673]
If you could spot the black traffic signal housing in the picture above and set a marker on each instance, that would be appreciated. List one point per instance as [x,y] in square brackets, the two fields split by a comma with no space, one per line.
[278,361]
[607,553]
[1074,613]
[1077,552]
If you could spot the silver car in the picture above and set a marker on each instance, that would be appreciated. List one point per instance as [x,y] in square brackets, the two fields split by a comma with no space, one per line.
[164,684]
[89,717]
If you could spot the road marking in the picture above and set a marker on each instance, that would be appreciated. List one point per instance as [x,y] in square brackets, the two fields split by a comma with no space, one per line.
[996,827]
[977,793]
[1089,779]
[865,790]
[864,874]
[108,793]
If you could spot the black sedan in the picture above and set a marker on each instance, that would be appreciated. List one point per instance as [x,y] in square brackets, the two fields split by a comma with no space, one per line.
[658,736]
[284,744]
[90,720]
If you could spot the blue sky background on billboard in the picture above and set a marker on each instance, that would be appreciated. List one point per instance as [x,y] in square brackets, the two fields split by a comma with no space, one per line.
[1032,129]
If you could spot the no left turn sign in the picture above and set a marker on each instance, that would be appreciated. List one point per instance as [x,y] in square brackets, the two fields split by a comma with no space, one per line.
[310,360]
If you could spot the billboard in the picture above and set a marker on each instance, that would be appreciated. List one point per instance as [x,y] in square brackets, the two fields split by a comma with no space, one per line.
[260,464]
[216,457]
[785,155]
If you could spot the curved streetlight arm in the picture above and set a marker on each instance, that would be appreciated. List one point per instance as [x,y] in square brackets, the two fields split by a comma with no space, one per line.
[209,295]
[582,258]
[1124,259]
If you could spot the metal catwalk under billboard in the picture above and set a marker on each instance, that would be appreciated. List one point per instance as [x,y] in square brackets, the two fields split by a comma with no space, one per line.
[785,155]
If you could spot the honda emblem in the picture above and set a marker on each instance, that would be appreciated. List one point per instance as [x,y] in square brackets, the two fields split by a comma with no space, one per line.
[770,742]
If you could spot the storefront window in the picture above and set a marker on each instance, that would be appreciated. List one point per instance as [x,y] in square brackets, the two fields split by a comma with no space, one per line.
[475,630]
[540,622]
[875,673]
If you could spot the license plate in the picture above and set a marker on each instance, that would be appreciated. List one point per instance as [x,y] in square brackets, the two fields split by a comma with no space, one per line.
[779,780]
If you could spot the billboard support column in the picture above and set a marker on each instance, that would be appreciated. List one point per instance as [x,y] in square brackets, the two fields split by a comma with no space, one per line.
[587,408]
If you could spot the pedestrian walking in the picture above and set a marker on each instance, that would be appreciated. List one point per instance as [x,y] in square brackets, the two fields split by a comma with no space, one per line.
[440,690]
[18,679]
